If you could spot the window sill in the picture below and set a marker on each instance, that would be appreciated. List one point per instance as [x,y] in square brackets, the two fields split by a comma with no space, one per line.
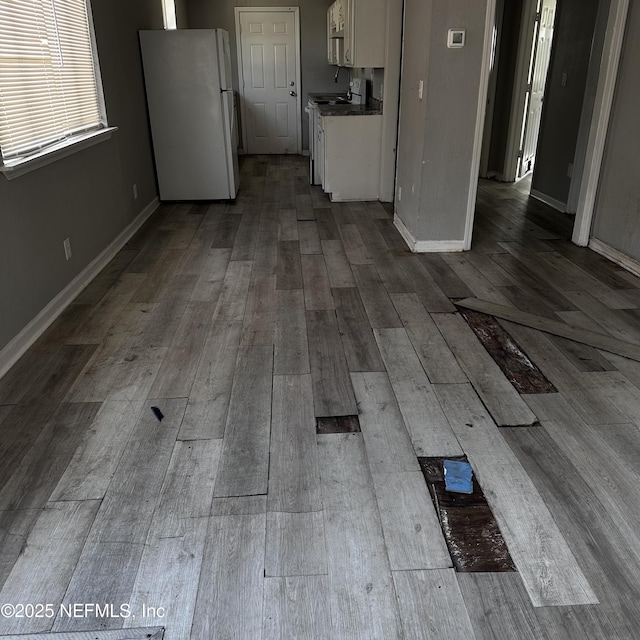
[14,168]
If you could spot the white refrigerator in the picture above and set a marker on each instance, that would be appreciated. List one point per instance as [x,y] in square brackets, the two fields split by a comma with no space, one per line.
[192,113]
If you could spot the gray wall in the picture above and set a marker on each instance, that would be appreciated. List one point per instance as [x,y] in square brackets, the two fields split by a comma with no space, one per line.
[617,214]
[87,196]
[573,37]
[437,133]
[316,73]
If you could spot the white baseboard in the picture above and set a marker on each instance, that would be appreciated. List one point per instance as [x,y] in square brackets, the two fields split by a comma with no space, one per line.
[426,246]
[552,202]
[624,260]
[12,352]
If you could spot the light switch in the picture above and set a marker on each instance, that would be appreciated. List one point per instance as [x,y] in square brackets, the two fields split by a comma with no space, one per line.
[420,89]
[456,38]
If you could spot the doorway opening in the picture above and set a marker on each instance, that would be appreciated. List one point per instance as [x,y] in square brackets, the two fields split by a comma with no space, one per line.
[584,59]
[521,53]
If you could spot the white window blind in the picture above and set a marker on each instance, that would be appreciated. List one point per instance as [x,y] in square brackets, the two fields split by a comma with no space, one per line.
[48,80]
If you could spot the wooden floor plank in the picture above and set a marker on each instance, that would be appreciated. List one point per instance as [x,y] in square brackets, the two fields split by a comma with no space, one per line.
[386,438]
[361,593]
[291,349]
[499,607]
[295,544]
[430,431]
[447,279]
[317,290]
[166,315]
[170,566]
[180,366]
[427,289]
[435,356]
[139,633]
[94,462]
[431,605]
[309,237]
[549,570]
[296,607]
[288,269]
[31,484]
[411,527]
[338,267]
[230,592]
[617,323]
[121,374]
[502,400]
[15,527]
[117,538]
[592,406]
[211,277]
[332,392]
[208,401]
[359,344]
[43,570]
[354,245]
[378,305]
[260,313]
[607,549]
[245,455]
[293,468]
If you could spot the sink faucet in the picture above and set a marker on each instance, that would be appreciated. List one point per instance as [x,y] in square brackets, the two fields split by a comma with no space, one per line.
[335,79]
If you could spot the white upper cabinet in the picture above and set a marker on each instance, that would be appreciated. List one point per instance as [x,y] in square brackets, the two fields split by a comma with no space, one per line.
[364,32]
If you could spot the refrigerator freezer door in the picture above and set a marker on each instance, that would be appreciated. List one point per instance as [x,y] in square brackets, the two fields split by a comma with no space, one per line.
[186,113]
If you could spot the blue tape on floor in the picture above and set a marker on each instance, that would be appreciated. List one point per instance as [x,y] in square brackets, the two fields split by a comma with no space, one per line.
[458,476]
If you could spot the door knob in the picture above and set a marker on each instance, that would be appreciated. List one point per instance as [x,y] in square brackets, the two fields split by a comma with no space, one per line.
[292,93]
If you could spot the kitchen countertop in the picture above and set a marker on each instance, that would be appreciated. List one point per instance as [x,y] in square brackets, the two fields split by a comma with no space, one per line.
[343,109]
[348,110]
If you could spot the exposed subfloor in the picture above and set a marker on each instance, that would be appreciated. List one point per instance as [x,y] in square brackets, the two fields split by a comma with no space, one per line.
[231,517]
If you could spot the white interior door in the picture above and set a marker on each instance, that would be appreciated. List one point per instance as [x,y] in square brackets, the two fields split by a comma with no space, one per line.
[269,79]
[537,80]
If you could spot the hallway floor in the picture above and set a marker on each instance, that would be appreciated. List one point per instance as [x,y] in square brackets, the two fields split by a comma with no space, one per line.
[159,453]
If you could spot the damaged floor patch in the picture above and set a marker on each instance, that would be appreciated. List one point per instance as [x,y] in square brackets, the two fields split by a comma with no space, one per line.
[337,424]
[470,530]
[523,374]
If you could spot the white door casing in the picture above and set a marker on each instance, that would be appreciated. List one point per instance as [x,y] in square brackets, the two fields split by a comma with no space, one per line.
[268,41]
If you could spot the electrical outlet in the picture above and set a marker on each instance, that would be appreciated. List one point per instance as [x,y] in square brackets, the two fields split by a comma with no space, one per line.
[135,191]
[67,248]
[420,89]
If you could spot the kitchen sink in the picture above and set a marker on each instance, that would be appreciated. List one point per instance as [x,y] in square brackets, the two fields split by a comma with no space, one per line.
[330,100]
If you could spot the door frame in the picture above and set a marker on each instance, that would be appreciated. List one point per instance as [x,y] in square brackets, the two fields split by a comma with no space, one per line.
[611,54]
[296,12]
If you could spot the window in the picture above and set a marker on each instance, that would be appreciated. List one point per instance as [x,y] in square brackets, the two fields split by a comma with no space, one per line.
[50,91]
[169,14]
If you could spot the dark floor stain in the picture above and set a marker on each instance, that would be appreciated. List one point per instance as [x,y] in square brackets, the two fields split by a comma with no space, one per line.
[470,530]
[523,374]
[338,424]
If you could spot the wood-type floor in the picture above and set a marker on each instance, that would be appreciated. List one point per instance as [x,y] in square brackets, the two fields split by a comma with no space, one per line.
[231,518]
